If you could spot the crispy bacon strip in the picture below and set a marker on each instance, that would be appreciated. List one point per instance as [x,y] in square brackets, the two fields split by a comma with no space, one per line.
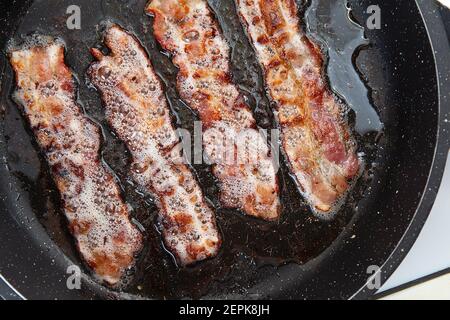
[244,167]
[315,138]
[98,217]
[137,110]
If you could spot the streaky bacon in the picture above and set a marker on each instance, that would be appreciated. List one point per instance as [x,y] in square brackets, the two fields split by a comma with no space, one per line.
[245,168]
[97,215]
[137,111]
[316,140]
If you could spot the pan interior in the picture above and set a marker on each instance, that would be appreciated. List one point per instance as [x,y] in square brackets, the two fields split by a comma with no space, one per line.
[301,256]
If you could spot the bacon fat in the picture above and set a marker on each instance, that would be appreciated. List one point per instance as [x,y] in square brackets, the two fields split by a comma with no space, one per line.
[316,140]
[138,112]
[245,168]
[98,217]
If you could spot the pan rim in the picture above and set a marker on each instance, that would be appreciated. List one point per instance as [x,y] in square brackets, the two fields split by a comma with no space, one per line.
[440,46]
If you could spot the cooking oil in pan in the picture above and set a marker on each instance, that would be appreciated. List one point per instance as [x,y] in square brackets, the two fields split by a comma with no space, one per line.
[331,25]
[252,249]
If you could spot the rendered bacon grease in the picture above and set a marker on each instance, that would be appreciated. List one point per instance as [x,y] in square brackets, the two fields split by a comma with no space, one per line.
[138,112]
[98,217]
[239,153]
[315,138]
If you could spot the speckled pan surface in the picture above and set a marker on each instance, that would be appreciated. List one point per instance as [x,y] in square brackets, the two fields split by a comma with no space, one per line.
[301,257]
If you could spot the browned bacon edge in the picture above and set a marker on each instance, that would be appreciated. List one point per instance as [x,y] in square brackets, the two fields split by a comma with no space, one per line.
[316,140]
[138,112]
[98,217]
[245,169]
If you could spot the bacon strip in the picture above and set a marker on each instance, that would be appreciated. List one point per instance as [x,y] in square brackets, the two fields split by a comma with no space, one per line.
[98,217]
[316,140]
[137,110]
[244,168]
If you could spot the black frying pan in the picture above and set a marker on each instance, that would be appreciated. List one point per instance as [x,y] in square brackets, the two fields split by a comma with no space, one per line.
[406,65]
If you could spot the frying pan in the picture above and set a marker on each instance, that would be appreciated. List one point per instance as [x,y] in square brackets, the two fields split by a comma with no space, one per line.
[406,65]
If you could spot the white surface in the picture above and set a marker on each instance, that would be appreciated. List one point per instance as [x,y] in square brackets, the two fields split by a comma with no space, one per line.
[445,2]
[436,289]
[431,252]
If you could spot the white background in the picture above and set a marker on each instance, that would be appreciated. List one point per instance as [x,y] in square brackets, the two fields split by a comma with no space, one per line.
[445,2]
